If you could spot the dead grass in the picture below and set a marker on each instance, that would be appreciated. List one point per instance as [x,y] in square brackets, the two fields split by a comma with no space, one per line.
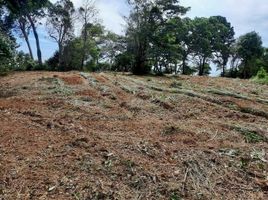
[113,136]
[73,80]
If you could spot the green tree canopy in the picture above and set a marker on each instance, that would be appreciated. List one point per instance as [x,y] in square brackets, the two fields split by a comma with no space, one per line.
[249,48]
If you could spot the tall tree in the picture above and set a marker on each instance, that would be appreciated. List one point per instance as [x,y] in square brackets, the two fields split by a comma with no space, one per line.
[202,43]
[73,50]
[60,23]
[10,21]
[87,15]
[23,28]
[223,39]
[95,34]
[149,32]
[31,10]
[111,46]
[235,62]
[249,48]
[137,34]
[184,39]
[211,40]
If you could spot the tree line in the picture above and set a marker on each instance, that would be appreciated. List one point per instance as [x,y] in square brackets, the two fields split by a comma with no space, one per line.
[158,39]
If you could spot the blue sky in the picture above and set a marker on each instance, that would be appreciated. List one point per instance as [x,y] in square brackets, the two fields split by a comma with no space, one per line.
[245,16]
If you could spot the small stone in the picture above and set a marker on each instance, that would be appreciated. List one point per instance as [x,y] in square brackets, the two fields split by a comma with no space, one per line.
[176,173]
[51,188]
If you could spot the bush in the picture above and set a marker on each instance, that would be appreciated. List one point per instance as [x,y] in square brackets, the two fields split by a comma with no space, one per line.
[7,51]
[123,62]
[141,68]
[104,66]
[232,73]
[262,74]
[53,62]
[43,67]
[24,62]
[261,77]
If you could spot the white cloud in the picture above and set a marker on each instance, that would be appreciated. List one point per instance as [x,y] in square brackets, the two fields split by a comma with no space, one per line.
[112,12]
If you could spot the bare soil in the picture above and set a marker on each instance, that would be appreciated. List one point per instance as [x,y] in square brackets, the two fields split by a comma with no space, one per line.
[114,136]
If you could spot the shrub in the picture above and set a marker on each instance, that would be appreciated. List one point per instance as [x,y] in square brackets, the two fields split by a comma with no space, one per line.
[53,62]
[104,66]
[261,77]
[7,50]
[123,62]
[24,62]
[262,74]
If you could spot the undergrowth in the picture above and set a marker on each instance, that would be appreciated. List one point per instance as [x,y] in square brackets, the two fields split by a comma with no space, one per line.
[262,77]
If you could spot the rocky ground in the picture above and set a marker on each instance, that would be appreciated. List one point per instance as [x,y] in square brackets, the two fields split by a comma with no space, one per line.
[113,136]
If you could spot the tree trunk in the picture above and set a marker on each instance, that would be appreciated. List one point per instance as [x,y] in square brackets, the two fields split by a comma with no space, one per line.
[140,63]
[139,66]
[60,54]
[200,70]
[83,55]
[39,54]
[202,67]
[84,44]
[28,44]
[223,71]
[176,68]
[184,66]
[26,38]
[245,70]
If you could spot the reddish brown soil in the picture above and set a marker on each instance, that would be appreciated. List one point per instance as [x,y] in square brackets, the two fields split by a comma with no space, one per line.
[73,80]
[113,136]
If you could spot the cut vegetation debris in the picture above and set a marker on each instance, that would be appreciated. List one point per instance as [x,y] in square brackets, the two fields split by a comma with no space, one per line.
[113,136]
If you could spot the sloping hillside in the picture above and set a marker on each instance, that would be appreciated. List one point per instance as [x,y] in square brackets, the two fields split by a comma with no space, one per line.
[113,136]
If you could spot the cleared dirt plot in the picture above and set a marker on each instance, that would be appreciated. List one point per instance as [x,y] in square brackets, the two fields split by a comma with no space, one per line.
[113,136]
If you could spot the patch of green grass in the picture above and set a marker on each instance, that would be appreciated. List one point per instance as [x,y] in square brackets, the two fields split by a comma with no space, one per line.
[226,93]
[244,162]
[261,81]
[157,89]
[61,90]
[175,196]
[252,111]
[251,136]
[57,87]
[77,196]
[128,163]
